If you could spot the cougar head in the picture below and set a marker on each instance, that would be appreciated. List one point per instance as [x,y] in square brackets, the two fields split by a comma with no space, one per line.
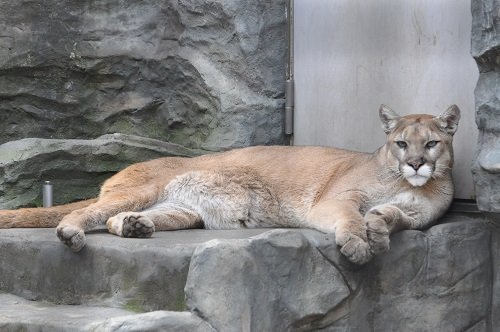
[420,145]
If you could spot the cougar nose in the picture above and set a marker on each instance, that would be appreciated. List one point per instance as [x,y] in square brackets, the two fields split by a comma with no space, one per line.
[415,164]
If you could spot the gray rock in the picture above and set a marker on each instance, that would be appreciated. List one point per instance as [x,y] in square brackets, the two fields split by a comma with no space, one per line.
[138,277]
[76,168]
[207,73]
[442,279]
[153,321]
[18,314]
[486,172]
[274,282]
[135,274]
[439,280]
[485,25]
[443,283]
[495,257]
[486,52]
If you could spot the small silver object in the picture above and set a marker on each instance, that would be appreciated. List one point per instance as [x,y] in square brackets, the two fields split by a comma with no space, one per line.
[47,194]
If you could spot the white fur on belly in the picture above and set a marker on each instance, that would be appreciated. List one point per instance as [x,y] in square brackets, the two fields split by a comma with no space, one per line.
[225,200]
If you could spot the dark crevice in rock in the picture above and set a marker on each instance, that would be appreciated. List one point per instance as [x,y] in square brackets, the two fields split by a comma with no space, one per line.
[489,60]
[493,270]
[341,270]
[476,325]
[335,315]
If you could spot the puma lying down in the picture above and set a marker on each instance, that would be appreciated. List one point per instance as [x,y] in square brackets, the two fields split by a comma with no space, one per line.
[360,197]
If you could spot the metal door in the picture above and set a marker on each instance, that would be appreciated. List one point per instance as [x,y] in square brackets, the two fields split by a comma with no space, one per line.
[350,56]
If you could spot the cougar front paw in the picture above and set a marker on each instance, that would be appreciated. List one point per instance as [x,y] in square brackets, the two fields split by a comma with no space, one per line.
[354,248]
[131,224]
[378,236]
[72,236]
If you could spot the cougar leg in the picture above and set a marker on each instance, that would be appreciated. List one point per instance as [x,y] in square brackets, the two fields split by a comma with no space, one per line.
[342,217]
[164,216]
[71,230]
[173,215]
[382,220]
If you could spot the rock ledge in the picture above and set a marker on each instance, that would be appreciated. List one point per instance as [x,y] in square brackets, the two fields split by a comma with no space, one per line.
[442,279]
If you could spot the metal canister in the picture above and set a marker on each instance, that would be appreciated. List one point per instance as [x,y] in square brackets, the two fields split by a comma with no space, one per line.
[47,194]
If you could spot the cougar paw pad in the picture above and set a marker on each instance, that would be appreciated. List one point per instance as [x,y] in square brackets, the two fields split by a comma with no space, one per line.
[72,236]
[137,226]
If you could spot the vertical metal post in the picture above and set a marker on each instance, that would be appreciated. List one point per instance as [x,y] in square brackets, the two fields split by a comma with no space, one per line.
[47,192]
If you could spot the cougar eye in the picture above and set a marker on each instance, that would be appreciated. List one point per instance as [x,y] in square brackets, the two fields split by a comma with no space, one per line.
[402,144]
[431,144]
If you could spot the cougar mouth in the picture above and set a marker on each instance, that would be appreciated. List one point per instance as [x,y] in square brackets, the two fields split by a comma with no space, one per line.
[417,178]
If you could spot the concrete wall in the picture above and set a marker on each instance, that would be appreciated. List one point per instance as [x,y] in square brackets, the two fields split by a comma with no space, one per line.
[353,55]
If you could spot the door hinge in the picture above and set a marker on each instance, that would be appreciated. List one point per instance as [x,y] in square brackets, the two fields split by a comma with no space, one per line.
[289,105]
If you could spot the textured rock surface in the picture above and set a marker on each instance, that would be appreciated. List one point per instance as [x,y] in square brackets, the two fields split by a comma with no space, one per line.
[154,321]
[198,73]
[44,317]
[439,280]
[495,257]
[434,281]
[204,74]
[443,279]
[76,168]
[139,275]
[274,282]
[486,52]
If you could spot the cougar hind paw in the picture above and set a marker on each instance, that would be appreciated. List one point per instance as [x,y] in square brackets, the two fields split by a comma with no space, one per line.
[72,236]
[131,224]
[137,226]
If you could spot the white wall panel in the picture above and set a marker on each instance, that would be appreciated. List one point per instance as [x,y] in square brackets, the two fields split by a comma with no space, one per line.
[353,55]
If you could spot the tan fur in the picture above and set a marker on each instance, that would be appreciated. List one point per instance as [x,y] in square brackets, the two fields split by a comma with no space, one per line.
[361,197]
[39,218]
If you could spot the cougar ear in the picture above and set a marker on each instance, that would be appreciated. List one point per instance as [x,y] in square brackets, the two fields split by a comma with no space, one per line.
[388,117]
[448,120]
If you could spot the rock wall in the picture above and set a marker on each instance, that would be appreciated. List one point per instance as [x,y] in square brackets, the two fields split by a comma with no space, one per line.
[486,52]
[203,74]
[76,167]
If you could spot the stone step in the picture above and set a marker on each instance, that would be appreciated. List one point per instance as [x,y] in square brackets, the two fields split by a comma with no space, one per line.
[18,314]
[134,274]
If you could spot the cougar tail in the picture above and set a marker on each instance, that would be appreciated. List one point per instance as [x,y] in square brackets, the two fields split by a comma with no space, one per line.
[39,217]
